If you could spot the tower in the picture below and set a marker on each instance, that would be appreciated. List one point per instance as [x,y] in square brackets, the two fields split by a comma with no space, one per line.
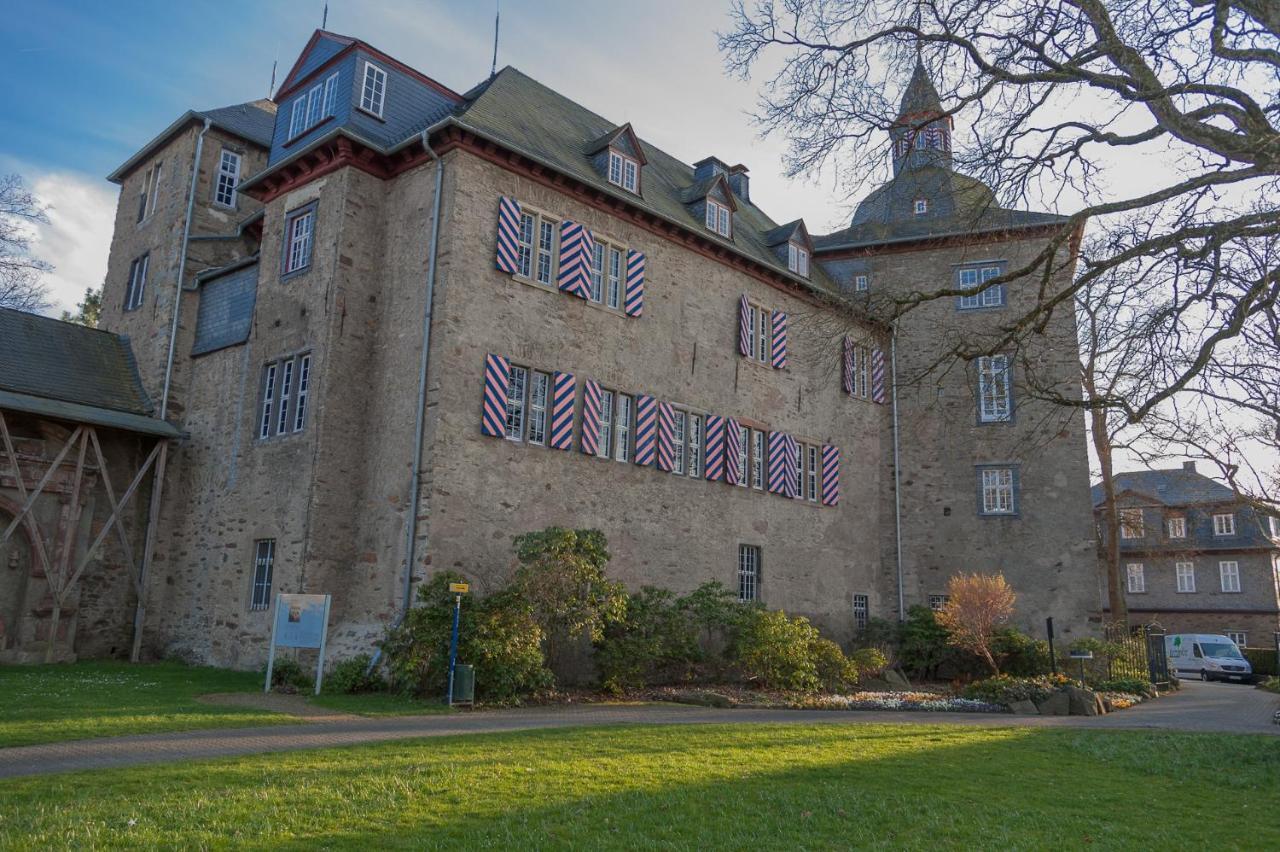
[921,133]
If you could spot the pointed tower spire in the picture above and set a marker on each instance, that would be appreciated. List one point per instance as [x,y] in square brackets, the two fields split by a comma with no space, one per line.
[921,133]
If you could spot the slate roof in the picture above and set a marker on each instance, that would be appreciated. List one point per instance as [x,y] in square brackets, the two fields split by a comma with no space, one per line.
[49,366]
[521,113]
[1176,487]
[921,97]
[253,121]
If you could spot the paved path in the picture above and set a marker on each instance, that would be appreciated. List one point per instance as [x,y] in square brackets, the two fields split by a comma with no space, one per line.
[1198,707]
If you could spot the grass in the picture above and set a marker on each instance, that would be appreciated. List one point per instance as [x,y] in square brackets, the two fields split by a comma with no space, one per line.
[101,699]
[687,787]
[379,704]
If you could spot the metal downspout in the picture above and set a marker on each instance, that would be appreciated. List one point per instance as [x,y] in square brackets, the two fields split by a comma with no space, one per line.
[897,475]
[411,535]
[182,270]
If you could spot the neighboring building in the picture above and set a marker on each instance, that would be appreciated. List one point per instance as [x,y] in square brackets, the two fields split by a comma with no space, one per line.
[610,329]
[1195,558]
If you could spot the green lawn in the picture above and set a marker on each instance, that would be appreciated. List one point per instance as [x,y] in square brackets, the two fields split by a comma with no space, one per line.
[379,704]
[101,699]
[686,787]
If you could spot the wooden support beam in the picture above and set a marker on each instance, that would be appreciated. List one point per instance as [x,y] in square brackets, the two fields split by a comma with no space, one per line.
[26,507]
[115,514]
[148,548]
[42,553]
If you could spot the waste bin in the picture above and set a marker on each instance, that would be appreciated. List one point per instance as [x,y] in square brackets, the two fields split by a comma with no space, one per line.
[464,684]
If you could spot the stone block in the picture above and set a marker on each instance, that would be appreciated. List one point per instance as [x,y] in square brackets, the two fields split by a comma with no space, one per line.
[1024,708]
[1058,704]
[1083,702]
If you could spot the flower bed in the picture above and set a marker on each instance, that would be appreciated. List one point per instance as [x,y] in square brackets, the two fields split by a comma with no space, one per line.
[922,701]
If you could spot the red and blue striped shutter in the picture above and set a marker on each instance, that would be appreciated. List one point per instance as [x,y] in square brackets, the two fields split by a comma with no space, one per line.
[744,326]
[666,437]
[791,468]
[779,354]
[715,448]
[508,235]
[847,364]
[877,376]
[633,298]
[732,447]
[590,440]
[575,259]
[497,375]
[645,429]
[562,399]
[777,461]
[830,475]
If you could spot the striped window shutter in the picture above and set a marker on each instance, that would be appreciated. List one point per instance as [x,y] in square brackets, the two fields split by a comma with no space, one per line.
[590,440]
[646,431]
[633,299]
[779,354]
[732,446]
[576,248]
[497,374]
[666,437]
[562,399]
[877,377]
[830,475]
[715,448]
[777,462]
[847,366]
[791,468]
[508,235]
[744,326]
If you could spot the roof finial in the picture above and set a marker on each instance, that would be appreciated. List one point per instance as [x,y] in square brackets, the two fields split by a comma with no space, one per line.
[497,17]
[324,21]
[919,16]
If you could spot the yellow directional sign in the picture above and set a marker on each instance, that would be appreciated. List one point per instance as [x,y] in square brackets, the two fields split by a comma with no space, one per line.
[460,588]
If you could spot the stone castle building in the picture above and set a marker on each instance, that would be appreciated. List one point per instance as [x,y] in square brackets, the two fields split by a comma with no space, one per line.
[399,324]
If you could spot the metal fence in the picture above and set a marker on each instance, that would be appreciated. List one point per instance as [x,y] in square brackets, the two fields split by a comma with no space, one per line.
[1137,652]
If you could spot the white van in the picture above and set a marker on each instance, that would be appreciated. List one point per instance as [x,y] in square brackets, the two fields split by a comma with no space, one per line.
[1210,656]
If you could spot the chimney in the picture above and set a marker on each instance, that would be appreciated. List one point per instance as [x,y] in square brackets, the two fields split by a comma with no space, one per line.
[1189,465]
[709,166]
[739,182]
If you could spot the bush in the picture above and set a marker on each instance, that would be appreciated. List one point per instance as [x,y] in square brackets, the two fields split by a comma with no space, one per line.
[1272,684]
[1131,685]
[349,677]
[870,662]
[498,635]
[1006,689]
[1020,655]
[287,675]
[836,672]
[776,651]
[924,648]
[1261,660]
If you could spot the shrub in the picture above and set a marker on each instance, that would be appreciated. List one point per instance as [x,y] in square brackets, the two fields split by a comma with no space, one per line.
[287,675]
[1131,685]
[561,577]
[870,661]
[1005,689]
[1272,684]
[776,651]
[1261,660]
[923,643]
[498,635]
[977,607]
[349,676]
[836,672]
[1020,655]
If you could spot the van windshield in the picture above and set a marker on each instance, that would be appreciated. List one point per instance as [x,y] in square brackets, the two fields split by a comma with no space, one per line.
[1221,649]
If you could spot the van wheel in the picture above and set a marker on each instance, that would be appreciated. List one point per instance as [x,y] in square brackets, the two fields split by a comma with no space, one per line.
[1204,675]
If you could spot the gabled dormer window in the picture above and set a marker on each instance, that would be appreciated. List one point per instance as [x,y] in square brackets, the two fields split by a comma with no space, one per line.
[374,91]
[922,206]
[624,172]
[718,218]
[798,259]
[313,106]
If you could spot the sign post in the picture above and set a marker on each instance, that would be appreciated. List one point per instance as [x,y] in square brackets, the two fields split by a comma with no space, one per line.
[1048,627]
[458,589]
[1082,656]
[300,621]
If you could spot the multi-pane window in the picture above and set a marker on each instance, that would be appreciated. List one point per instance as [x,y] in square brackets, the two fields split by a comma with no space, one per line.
[995,397]
[264,557]
[136,287]
[861,283]
[757,458]
[607,263]
[313,106]
[622,429]
[922,206]
[1136,579]
[624,171]
[971,278]
[517,387]
[759,332]
[1238,636]
[374,90]
[744,447]
[997,491]
[748,572]
[695,445]
[1186,576]
[224,192]
[536,247]
[811,469]
[149,192]
[717,218]
[1224,524]
[937,602]
[860,357]
[797,480]
[538,387]
[861,611]
[1131,523]
[299,231]
[1229,573]
[605,445]
[797,259]
[285,391]
[1177,527]
[613,290]
[678,431]
[546,245]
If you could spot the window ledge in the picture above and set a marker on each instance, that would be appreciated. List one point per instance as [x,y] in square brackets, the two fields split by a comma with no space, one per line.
[552,288]
[296,273]
[371,114]
[321,123]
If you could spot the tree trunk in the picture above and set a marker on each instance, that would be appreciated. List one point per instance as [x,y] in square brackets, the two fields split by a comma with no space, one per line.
[1110,516]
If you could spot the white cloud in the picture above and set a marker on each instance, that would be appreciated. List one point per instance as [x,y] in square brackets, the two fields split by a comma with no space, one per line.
[77,238]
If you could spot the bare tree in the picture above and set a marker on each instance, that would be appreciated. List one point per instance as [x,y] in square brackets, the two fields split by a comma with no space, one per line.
[977,606]
[1055,95]
[20,284]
